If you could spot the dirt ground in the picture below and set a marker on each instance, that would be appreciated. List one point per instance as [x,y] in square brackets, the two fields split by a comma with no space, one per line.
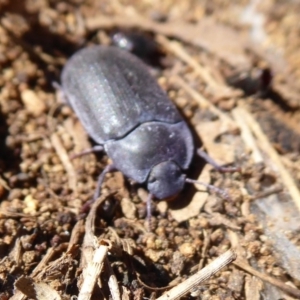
[233,70]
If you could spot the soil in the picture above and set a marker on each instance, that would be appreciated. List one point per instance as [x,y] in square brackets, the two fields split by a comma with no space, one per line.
[233,71]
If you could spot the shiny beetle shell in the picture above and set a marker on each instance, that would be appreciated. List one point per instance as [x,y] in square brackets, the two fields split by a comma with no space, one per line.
[123,108]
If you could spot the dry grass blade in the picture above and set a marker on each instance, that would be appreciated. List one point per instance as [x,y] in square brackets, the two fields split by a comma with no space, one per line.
[247,136]
[112,282]
[284,287]
[265,144]
[205,34]
[192,282]
[63,156]
[179,51]
[203,102]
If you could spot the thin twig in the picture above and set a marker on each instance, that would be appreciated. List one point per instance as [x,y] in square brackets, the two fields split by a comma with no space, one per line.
[43,263]
[284,287]
[275,190]
[178,50]
[183,288]
[64,157]
[186,32]
[266,145]
[112,281]
[247,135]
[203,102]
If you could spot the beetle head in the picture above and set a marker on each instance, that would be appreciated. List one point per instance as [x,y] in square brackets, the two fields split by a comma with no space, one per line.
[165,180]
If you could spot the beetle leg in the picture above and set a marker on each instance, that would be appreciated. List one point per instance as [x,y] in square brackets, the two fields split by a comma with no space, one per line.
[97,148]
[212,162]
[60,95]
[107,169]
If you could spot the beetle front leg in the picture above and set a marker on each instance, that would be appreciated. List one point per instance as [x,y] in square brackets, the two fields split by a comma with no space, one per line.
[97,148]
[212,162]
[60,94]
[107,169]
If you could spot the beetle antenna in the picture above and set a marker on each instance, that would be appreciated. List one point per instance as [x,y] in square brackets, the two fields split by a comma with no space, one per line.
[223,193]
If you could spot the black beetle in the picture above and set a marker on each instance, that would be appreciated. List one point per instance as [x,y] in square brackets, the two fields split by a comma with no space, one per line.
[126,112]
